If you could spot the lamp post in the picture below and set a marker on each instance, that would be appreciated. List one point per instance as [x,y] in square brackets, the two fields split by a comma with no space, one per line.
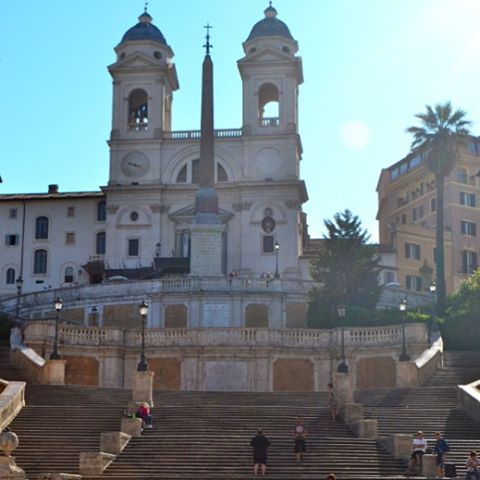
[94,313]
[433,290]
[58,307]
[341,312]
[404,357]
[143,309]
[19,283]
[277,248]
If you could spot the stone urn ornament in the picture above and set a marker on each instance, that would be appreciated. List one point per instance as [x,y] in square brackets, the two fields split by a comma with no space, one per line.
[8,468]
[8,442]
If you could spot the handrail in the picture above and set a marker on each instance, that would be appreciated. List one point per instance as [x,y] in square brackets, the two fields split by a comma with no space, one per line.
[38,331]
[12,400]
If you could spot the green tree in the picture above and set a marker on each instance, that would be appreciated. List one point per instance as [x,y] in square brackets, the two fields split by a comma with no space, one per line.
[438,138]
[463,316]
[346,266]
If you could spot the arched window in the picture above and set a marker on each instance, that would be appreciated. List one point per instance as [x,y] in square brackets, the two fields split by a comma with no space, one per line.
[182,243]
[196,170]
[221,174]
[69,275]
[138,110]
[101,211]
[190,173]
[182,175]
[41,228]
[100,244]
[185,244]
[40,262]
[268,105]
[10,276]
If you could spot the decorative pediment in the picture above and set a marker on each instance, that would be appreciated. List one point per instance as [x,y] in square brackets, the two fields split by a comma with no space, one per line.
[138,60]
[267,55]
[185,215]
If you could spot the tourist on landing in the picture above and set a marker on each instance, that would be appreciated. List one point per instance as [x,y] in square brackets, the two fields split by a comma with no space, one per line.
[473,465]
[332,402]
[260,444]
[440,448]
[143,412]
[300,442]
[419,448]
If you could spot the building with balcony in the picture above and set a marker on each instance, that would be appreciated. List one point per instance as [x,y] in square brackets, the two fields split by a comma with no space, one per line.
[407,219]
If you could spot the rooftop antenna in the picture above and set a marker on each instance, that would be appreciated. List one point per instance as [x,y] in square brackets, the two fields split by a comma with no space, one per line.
[208,45]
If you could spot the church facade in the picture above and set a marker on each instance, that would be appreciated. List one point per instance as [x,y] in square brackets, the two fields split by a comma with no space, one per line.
[138,226]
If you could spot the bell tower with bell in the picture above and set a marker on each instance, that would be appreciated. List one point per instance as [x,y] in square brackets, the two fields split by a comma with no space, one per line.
[271,75]
[144,79]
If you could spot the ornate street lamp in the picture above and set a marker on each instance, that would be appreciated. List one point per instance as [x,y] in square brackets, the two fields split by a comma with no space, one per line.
[433,291]
[341,312]
[404,357]
[58,304]
[277,248]
[143,309]
[19,283]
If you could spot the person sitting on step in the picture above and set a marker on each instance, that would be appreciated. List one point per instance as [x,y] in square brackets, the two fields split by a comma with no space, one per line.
[331,476]
[143,412]
[419,447]
[473,467]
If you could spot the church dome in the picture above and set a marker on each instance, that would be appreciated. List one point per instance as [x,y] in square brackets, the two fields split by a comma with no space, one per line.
[144,30]
[270,26]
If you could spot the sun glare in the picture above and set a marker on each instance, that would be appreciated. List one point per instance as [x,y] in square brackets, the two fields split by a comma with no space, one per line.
[355,134]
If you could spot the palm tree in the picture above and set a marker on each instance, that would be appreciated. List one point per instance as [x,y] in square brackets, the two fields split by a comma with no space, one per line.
[439,137]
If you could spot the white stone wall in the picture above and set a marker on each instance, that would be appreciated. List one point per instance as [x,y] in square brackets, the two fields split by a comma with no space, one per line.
[83,224]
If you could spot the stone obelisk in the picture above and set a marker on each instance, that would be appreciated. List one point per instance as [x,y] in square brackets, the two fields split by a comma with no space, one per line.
[206,229]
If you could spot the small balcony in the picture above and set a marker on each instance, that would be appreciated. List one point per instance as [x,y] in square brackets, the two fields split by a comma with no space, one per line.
[270,122]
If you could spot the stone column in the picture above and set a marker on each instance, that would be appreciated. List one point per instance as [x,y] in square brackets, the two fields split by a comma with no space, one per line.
[352,412]
[367,428]
[429,466]
[406,374]
[53,372]
[207,246]
[343,385]
[143,387]
[401,446]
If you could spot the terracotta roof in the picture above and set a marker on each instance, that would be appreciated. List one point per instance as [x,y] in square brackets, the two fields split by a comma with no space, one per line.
[9,197]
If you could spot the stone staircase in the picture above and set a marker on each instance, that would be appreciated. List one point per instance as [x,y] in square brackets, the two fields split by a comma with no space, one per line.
[430,408]
[58,423]
[205,435]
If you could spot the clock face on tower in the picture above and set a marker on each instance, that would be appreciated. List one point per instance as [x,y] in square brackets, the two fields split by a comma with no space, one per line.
[135,164]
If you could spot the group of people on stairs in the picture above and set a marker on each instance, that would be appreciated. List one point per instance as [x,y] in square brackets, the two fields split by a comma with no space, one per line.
[260,442]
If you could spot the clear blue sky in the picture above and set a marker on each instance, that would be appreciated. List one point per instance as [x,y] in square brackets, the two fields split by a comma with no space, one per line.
[369,66]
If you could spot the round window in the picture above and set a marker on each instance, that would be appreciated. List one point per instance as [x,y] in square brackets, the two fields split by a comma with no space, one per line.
[134,216]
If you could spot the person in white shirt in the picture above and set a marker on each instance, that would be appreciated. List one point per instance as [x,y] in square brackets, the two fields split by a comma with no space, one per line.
[419,448]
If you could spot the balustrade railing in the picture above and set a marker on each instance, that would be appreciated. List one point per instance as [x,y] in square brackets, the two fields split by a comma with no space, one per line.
[111,292]
[39,331]
[196,134]
[270,122]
